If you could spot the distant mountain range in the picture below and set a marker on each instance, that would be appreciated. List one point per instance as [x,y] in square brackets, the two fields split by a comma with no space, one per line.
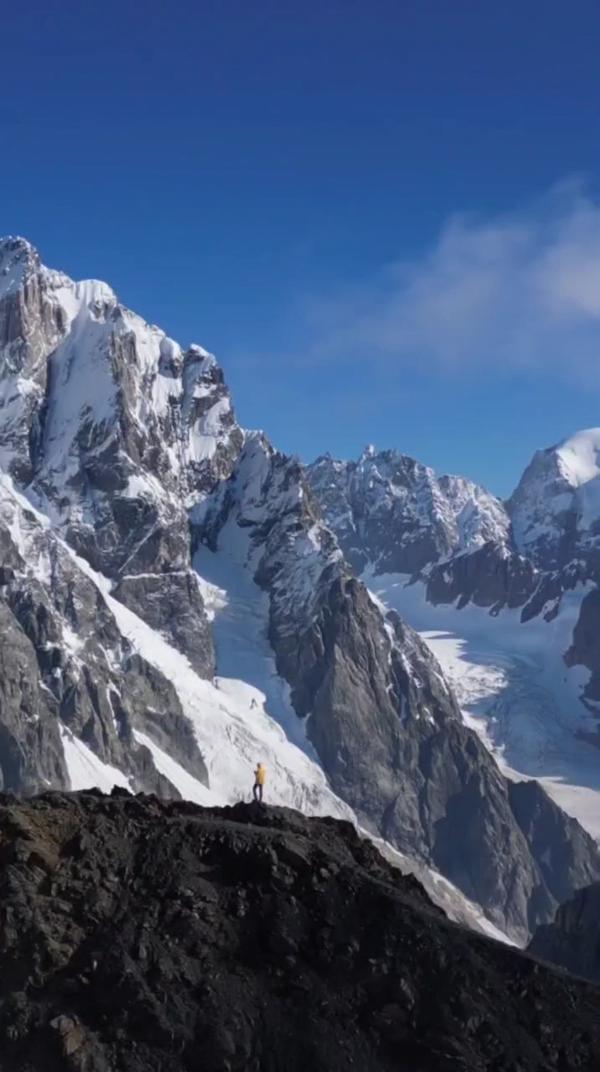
[180,600]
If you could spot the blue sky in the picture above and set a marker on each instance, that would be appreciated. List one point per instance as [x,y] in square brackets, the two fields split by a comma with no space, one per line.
[382,216]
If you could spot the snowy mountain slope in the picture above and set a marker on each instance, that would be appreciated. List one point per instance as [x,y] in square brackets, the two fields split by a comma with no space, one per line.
[68,673]
[555,523]
[155,411]
[83,626]
[394,515]
[111,427]
[160,512]
[230,732]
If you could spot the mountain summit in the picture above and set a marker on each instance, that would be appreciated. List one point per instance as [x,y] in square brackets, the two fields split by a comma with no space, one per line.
[555,509]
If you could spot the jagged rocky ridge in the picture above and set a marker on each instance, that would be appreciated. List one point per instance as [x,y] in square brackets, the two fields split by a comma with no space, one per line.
[128,450]
[395,515]
[142,936]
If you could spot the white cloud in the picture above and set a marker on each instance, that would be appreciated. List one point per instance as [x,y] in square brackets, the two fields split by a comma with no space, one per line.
[518,291]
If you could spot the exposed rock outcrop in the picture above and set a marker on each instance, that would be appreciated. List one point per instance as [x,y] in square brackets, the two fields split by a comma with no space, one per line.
[572,940]
[492,576]
[68,669]
[585,649]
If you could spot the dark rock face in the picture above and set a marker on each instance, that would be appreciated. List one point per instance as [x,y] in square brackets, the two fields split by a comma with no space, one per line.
[572,940]
[558,844]
[31,752]
[66,667]
[585,649]
[172,604]
[150,704]
[30,326]
[141,936]
[491,577]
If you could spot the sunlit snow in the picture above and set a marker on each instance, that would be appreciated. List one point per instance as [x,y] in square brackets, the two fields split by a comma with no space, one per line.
[84,768]
[514,689]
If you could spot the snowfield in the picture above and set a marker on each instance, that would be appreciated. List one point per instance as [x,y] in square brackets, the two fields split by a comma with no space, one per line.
[523,702]
[86,770]
[232,732]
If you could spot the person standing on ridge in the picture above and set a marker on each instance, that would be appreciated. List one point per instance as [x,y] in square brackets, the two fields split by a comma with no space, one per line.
[260,776]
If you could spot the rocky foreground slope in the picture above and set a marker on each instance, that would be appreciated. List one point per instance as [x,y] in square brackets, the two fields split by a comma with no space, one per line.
[153,937]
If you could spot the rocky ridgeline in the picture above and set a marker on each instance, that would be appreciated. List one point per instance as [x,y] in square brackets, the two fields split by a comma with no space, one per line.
[153,937]
[397,515]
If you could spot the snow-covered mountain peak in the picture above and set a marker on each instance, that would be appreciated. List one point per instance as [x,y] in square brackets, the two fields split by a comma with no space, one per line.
[326,462]
[579,456]
[199,351]
[16,246]
[396,513]
[555,508]
[172,409]
[18,259]
[20,263]
[90,292]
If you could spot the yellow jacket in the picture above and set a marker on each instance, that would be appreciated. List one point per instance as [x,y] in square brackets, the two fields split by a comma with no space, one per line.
[260,774]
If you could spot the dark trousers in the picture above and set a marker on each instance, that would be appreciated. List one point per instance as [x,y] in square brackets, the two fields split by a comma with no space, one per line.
[257,791]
